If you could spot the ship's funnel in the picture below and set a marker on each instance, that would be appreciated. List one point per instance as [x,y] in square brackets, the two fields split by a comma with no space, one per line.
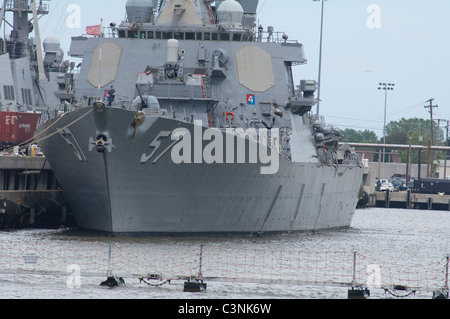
[139,11]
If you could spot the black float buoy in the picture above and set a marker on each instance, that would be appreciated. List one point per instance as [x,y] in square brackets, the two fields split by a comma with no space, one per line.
[112,282]
[358,293]
[440,295]
[194,286]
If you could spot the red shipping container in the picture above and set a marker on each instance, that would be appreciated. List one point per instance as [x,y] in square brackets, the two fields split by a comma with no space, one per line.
[17,127]
[28,123]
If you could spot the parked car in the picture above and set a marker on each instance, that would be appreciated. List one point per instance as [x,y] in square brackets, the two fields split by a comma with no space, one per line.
[399,183]
[385,186]
[379,182]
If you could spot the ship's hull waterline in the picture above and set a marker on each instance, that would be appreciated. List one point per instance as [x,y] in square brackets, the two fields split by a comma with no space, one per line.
[135,188]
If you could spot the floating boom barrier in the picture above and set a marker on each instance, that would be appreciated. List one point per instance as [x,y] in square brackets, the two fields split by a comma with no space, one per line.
[156,266]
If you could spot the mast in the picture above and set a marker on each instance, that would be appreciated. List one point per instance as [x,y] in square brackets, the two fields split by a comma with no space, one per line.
[2,16]
[21,25]
[40,58]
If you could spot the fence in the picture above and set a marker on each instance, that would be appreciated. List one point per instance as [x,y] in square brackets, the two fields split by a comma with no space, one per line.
[217,263]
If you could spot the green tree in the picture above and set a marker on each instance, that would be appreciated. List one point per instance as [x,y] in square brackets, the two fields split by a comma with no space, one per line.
[353,136]
[408,126]
[400,132]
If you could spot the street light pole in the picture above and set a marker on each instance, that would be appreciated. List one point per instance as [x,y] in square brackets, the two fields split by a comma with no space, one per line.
[386,87]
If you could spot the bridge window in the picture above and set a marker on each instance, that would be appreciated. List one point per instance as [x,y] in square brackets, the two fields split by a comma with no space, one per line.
[133,34]
[225,36]
[237,37]
[178,35]
[167,35]
[190,36]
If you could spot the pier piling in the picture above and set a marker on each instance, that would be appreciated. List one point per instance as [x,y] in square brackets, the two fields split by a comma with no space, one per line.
[32,193]
[387,199]
[411,200]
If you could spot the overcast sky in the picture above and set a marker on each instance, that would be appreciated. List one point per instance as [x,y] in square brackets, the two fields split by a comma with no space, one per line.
[366,42]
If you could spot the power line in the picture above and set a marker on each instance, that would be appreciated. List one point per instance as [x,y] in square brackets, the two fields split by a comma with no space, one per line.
[375,118]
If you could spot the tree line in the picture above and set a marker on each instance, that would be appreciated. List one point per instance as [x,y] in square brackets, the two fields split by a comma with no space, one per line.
[400,132]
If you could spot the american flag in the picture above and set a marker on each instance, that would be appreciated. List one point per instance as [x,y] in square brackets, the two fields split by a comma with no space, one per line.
[94,30]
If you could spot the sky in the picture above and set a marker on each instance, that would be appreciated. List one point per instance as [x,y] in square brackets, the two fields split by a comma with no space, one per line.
[365,42]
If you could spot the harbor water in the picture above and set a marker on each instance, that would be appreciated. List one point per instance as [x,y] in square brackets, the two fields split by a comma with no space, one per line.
[394,236]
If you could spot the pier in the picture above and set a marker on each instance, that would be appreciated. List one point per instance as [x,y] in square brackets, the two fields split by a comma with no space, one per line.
[30,195]
[410,200]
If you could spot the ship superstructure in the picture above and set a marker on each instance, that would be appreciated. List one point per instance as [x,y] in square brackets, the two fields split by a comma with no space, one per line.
[35,79]
[208,132]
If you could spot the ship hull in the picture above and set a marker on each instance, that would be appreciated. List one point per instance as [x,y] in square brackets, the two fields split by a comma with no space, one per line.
[134,189]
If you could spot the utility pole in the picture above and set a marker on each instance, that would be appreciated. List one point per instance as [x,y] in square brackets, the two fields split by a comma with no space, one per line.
[431,107]
[408,161]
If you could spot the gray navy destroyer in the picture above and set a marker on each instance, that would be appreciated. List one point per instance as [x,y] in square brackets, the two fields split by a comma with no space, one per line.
[208,133]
